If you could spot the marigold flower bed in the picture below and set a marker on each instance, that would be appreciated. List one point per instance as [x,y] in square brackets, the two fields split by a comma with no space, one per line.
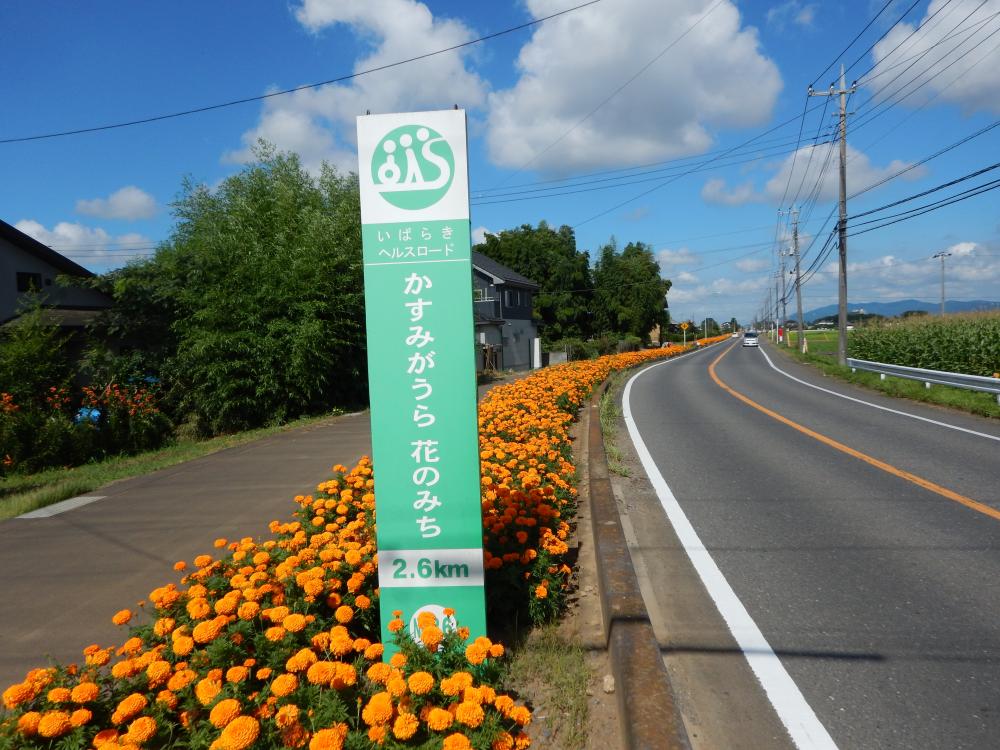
[273,643]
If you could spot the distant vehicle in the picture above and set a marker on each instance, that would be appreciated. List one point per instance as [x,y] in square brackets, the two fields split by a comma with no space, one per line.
[750,338]
[735,335]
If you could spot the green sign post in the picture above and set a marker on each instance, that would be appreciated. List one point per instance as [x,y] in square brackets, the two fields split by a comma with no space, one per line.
[421,367]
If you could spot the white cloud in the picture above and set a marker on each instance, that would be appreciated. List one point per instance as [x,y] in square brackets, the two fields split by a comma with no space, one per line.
[89,246]
[806,171]
[684,277]
[319,124]
[715,191]
[973,82]
[671,258]
[791,12]
[573,63]
[479,235]
[752,265]
[129,203]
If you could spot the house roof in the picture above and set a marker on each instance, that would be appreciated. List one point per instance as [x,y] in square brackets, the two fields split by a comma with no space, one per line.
[500,272]
[30,245]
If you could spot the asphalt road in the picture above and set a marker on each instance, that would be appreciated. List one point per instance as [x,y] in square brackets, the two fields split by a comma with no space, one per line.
[880,595]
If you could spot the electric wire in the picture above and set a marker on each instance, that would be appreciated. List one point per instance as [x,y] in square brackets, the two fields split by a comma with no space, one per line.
[283,92]
[855,39]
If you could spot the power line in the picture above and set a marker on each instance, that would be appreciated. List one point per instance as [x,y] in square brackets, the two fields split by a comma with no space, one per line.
[855,39]
[262,97]
[921,194]
[884,35]
[523,195]
[936,154]
[936,205]
[683,174]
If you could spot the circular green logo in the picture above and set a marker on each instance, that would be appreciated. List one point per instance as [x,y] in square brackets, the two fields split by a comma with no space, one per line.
[413,167]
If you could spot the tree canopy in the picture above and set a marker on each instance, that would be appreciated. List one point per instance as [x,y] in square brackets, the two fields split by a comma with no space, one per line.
[548,257]
[629,293]
[253,310]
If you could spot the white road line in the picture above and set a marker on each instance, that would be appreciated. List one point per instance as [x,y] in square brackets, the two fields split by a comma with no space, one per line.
[56,508]
[881,408]
[795,713]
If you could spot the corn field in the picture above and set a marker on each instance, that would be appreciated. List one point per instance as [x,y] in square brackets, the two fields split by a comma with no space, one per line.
[965,343]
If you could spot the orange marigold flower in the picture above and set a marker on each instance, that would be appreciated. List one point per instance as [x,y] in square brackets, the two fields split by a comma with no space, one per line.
[431,636]
[140,731]
[496,650]
[58,695]
[17,694]
[182,645]
[374,651]
[207,689]
[476,654]
[287,716]
[85,692]
[220,542]
[167,698]
[164,626]
[198,608]
[425,619]
[208,630]
[80,717]
[27,724]
[456,742]
[520,715]
[396,687]
[321,673]
[469,713]
[237,674]
[284,684]
[379,673]
[128,707]
[203,561]
[275,634]
[438,719]
[180,565]
[301,661]
[239,734]
[405,726]
[224,712]
[264,673]
[54,724]
[181,679]
[362,602]
[122,617]
[421,683]
[456,683]
[344,614]
[331,738]
[248,610]
[294,622]
[379,710]
[104,737]
[503,741]
[158,671]
[395,625]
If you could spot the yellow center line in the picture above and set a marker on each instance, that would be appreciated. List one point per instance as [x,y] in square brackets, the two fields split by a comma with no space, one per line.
[920,481]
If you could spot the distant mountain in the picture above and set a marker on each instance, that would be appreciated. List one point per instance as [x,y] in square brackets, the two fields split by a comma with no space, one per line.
[894,309]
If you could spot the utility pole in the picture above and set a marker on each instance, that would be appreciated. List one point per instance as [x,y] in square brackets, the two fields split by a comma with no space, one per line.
[798,279]
[842,224]
[783,320]
[942,255]
[777,310]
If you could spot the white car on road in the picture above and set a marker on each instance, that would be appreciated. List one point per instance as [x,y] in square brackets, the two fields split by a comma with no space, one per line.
[750,338]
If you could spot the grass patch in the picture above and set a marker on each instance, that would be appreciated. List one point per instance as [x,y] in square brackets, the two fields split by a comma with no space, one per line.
[554,672]
[823,354]
[610,414]
[24,493]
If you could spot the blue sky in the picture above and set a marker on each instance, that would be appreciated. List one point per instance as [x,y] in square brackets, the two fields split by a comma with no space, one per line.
[613,86]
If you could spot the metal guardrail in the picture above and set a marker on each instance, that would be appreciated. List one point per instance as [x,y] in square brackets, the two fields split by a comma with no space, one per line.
[937,377]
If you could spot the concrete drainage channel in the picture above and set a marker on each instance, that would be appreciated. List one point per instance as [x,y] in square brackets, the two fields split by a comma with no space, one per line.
[647,710]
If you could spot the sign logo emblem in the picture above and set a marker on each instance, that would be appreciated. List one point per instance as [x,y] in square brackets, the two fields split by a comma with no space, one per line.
[447,623]
[413,167]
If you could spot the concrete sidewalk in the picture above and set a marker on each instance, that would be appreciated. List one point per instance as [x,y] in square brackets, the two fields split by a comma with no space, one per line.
[64,576]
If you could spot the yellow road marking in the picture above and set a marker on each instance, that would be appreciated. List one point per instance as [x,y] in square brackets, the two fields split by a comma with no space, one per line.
[920,481]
